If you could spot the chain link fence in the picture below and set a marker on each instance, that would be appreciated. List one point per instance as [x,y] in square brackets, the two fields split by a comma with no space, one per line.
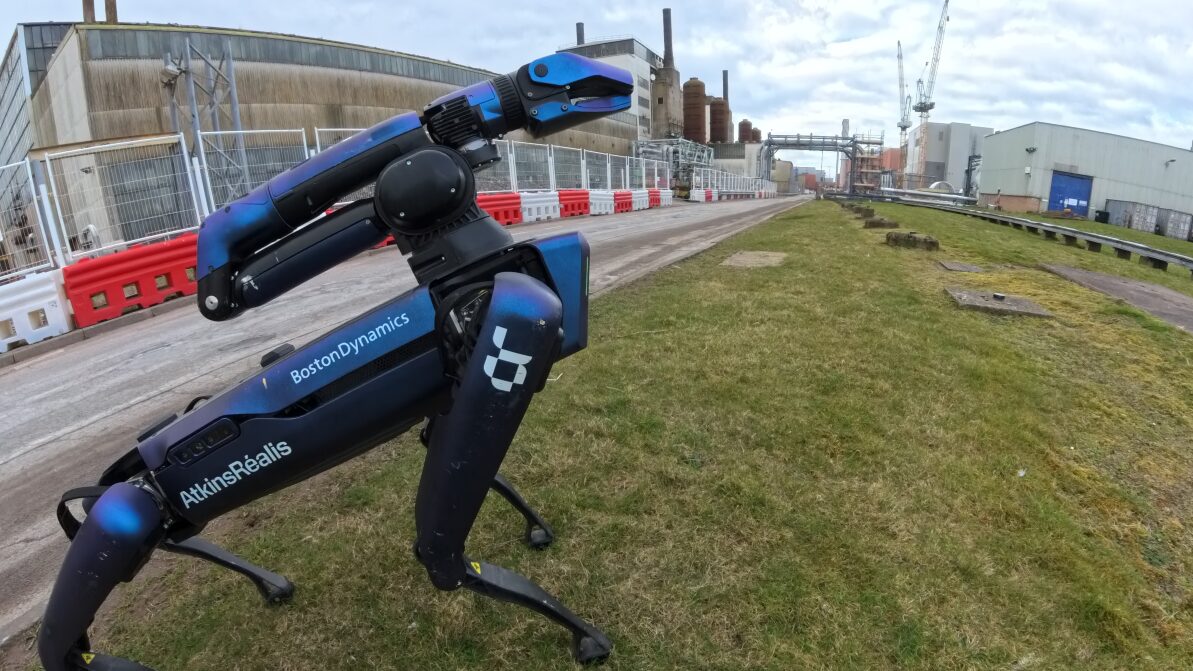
[109,196]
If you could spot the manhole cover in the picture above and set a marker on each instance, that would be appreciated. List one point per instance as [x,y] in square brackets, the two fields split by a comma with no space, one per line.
[754,259]
[996,303]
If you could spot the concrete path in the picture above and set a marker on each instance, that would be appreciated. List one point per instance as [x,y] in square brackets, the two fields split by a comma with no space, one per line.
[1160,302]
[67,414]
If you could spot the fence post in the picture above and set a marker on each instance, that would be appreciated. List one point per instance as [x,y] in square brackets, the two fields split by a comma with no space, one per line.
[509,145]
[42,205]
[190,180]
[201,188]
[57,203]
[551,165]
[306,148]
[584,169]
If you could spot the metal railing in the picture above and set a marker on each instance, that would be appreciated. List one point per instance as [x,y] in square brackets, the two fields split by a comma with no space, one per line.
[1093,241]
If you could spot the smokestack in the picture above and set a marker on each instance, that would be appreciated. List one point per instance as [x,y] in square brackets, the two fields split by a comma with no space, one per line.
[725,85]
[110,11]
[668,53]
[579,32]
[88,11]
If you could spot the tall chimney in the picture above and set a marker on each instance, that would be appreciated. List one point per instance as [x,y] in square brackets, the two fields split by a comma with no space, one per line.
[725,85]
[579,32]
[668,53]
[110,11]
[88,11]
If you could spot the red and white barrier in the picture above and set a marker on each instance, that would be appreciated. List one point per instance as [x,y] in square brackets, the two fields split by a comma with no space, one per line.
[540,205]
[640,199]
[623,201]
[600,201]
[506,208]
[574,202]
[32,309]
[138,277]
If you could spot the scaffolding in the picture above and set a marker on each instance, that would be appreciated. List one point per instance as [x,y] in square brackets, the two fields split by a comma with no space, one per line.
[685,156]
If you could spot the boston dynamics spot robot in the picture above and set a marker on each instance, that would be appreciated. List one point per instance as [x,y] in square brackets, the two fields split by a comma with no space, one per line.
[465,350]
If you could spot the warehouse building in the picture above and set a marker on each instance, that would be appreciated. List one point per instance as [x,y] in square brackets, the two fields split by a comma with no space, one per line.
[1044,167]
[942,153]
[72,83]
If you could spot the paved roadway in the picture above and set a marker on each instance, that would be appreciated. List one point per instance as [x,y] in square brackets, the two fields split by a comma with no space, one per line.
[69,413]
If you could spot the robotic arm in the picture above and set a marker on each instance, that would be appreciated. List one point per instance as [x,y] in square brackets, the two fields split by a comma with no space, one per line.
[455,134]
[465,351]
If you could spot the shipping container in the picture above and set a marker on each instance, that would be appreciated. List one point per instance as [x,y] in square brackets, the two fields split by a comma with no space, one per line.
[1178,225]
[1137,216]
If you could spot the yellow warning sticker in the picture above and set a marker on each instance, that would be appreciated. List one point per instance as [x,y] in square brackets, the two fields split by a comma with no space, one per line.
[476,566]
[87,657]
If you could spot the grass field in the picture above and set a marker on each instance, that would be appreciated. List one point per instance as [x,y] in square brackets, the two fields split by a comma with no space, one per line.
[821,465]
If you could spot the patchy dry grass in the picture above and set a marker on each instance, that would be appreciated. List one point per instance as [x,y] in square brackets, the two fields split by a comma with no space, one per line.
[811,466]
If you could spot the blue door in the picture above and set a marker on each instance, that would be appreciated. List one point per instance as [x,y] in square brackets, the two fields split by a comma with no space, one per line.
[1070,192]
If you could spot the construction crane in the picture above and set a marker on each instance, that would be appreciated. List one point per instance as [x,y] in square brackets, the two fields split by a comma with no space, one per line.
[904,118]
[924,103]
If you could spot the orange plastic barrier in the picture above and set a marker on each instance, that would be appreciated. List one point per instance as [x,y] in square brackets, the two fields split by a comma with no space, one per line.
[138,277]
[504,207]
[656,200]
[574,202]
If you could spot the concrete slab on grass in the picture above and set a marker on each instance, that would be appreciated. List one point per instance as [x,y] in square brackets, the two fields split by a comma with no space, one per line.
[990,302]
[754,259]
[1160,302]
[959,267]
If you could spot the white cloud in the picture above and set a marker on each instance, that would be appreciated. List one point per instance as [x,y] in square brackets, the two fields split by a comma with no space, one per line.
[801,65]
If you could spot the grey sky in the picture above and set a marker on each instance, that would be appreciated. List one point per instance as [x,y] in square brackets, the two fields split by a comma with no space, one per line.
[796,66]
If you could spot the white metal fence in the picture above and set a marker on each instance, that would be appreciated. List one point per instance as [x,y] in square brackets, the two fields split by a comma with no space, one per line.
[24,244]
[106,197]
[236,162]
[109,196]
[709,178]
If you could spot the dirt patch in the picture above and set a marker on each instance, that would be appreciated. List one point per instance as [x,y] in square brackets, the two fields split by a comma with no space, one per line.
[754,259]
[1160,302]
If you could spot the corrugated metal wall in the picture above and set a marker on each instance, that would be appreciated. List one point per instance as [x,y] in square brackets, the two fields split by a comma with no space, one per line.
[283,83]
[1122,168]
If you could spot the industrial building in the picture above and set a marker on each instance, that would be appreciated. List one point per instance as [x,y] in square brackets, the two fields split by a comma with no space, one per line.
[74,83]
[939,152]
[1044,167]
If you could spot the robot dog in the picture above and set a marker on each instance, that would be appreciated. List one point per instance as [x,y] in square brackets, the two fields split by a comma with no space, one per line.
[462,353]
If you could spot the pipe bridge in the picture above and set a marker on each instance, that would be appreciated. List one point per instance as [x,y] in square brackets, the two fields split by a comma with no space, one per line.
[851,146]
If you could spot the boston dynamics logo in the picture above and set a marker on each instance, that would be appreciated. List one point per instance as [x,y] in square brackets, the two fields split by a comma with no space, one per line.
[519,360]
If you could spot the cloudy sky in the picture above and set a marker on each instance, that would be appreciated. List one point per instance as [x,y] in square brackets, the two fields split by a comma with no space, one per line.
[797,65]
